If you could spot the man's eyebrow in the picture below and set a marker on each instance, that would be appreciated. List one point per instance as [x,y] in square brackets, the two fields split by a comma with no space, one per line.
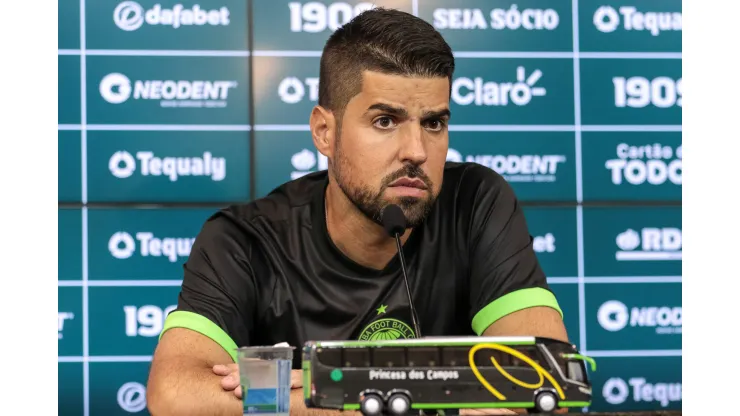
[401,112]
[436,114]
[386,108]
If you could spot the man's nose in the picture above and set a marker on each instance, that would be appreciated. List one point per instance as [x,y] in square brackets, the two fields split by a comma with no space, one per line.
[412,147]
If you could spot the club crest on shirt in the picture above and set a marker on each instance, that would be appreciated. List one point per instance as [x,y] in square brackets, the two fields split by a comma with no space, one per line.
[386,328]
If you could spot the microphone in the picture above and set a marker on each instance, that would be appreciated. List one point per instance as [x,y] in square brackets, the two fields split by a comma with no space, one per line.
[394,223]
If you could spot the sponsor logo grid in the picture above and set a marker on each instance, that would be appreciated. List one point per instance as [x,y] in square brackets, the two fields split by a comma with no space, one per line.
[572,102]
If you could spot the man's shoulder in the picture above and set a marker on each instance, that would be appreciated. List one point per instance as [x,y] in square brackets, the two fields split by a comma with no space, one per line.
[288,204]
[466,180]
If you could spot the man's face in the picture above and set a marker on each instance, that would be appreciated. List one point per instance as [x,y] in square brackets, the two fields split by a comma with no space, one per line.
[392,144]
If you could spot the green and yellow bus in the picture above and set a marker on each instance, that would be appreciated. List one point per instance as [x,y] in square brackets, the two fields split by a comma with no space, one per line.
[431,375]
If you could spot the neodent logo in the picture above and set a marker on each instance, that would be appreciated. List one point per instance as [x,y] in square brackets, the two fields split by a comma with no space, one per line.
[122,246]
[607,20]
[476,91]
[653,164]
[515,168]
[614,316]
[122,165]
[658,244]
[616,391]
[117,88]
[304,162]
[130,16]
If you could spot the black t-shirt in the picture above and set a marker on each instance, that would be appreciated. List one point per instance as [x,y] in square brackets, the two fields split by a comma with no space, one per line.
[267,272]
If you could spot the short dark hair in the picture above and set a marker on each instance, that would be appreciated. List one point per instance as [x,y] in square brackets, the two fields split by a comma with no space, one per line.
[383,40]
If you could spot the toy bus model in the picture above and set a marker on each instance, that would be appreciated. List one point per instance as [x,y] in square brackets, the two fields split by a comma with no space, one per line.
[435,374]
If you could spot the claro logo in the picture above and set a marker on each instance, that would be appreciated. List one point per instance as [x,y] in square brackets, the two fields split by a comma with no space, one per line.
[615,316]
[616,391]
[479,92]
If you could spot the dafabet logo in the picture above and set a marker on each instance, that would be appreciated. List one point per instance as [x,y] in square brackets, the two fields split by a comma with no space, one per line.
[130,16]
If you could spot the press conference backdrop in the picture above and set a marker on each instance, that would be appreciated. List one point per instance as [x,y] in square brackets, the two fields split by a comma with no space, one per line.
[170,110]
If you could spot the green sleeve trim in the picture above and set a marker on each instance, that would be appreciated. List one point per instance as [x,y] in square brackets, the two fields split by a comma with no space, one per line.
[203,325]
[512,302]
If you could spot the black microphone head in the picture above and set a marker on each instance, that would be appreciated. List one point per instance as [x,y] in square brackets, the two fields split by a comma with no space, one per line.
[393,220]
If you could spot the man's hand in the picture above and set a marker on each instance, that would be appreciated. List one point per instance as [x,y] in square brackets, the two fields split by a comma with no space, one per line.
[232,382]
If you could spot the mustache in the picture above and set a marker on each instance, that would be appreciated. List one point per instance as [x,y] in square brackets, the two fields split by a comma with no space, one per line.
[410,171]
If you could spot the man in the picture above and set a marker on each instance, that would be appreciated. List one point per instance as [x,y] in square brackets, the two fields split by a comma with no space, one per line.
[311,262]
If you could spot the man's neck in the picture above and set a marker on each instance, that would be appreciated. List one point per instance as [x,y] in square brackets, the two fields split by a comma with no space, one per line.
[356,236]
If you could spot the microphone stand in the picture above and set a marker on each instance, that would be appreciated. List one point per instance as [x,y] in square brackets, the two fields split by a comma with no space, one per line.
[408,291]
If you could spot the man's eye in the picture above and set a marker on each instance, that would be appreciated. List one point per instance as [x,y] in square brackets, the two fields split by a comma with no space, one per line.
[383,122]
[435,125]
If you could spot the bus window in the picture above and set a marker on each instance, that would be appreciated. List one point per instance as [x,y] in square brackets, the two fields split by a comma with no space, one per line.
[331,357]
[356,357]
[483,358]
[575,371]
[423,357]
[455,356]
[532,352]
[389,357]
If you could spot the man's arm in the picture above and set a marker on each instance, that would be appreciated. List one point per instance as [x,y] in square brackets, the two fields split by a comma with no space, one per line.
[215,313]
[509,291]
[540,321]
[181,379]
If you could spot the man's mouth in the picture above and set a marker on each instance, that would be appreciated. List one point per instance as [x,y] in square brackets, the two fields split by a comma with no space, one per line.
[409,183]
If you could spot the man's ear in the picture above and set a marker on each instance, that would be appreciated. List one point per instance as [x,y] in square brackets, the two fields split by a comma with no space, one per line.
[323,130]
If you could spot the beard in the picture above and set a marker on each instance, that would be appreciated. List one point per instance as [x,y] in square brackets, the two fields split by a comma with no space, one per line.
[371,203]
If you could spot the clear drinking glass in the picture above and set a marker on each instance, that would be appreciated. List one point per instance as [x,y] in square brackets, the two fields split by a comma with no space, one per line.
[265,379]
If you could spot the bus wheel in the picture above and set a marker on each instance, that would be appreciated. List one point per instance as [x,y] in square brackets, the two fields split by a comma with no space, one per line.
[545,402]
[399,404]
[371,405]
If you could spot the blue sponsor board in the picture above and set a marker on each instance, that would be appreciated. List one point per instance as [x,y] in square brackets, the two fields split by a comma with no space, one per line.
[128,320]
[290,25]
[68,95]
[69,170]
[633,384]
[633,316]
[168,166]
[635,166]
[497,25]
[632,241]
[553,230]
[512,91]
[630,26]
[69,240]
[540,166]
[631,91]
[118,388]
[142,244]
[167,90]
[167,25]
